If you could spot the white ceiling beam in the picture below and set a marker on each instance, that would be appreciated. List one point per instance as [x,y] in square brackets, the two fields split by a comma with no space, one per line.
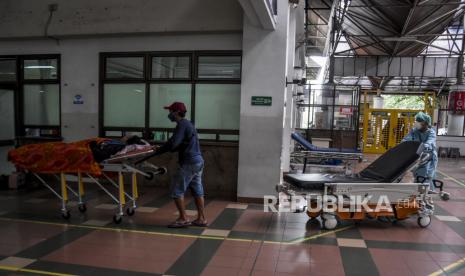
[259,13]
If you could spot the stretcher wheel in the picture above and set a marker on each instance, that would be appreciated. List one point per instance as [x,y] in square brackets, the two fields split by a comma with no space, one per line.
[117,219]
[162,170]
[66,214]
[149,175]
[445,196]
[130,211]
[424,222]
[312,215]
[329,224]
[82,208]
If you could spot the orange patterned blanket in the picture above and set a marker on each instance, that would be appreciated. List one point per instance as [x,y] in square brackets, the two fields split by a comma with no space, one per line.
[56,157]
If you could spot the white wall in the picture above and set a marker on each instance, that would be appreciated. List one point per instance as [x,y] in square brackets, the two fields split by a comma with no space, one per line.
[264,68]
[86,27]
[28,18]
[80,67]
[452,142]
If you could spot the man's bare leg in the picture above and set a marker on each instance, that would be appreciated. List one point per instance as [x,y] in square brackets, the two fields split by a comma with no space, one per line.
[181,209]
[200,204]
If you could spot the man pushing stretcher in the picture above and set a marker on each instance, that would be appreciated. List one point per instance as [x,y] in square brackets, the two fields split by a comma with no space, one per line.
[189,172]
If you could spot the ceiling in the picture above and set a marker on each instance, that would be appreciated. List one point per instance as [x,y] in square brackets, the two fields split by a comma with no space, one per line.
[387,28]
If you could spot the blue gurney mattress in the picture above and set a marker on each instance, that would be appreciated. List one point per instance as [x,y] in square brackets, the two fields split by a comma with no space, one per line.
[310,147]
[387,168]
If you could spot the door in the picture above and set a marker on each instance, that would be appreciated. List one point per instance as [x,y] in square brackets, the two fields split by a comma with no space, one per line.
[7,128]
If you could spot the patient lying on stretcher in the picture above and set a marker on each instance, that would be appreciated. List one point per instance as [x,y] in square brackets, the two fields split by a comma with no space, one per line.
[115,147]
[80,156]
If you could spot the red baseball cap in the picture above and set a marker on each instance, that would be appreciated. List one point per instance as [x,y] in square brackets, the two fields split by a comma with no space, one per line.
[177,106]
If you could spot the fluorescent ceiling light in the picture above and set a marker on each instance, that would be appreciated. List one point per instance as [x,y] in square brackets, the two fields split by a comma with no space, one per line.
[39,67]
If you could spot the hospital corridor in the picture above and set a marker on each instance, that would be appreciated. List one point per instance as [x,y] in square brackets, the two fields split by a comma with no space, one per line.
[232,137]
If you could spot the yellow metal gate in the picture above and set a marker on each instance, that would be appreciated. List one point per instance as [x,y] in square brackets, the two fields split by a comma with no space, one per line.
[385,128]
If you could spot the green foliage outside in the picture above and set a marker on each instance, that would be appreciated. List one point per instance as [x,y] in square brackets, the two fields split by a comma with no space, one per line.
[403,102]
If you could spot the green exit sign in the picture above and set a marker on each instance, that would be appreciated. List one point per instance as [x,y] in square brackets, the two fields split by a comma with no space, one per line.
[261,100]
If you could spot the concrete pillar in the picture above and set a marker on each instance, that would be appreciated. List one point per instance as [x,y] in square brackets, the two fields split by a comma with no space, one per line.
[291,89]
[455,124]
[264,68]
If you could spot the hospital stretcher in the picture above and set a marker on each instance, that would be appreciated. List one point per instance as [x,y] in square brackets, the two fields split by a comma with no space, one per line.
[382,177]
[132,163]
[311,153]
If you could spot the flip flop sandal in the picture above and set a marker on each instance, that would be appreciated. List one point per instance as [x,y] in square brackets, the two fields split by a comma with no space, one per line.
[180,224]
[199,224]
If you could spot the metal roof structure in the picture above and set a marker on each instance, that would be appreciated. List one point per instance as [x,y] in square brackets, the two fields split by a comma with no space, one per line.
[388,28]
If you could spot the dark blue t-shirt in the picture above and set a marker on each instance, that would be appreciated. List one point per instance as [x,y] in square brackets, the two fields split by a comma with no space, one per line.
[185,141]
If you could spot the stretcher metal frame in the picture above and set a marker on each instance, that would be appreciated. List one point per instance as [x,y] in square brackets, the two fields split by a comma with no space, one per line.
[415,193]
[347,158]
[131,163]
[304,151]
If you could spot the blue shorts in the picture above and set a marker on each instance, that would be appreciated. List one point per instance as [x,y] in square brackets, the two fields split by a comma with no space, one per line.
[187,176]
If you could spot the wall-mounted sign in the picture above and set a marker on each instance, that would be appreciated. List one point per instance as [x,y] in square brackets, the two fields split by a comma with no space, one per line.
[346,110]
[457,101]
[78,99]
[261,100]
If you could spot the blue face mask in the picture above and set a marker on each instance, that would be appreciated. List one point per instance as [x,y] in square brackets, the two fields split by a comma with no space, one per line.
[172,117]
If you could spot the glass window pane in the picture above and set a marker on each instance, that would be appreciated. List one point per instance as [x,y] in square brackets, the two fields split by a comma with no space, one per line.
[320,117]
[219,67]
[41,104]
[7,69]
[344,118]
[161,136]
[124,105]
[113,134]
[41,132]
[124,68]
[207,136]
[162,95]
[321,96]
[302,117]
[40,69]
[228,137]
[170,67]
[217,106]
[344,97]
[134,133]
[7,119]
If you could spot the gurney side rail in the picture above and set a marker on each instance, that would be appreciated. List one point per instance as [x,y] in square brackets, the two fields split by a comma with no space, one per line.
[328,155]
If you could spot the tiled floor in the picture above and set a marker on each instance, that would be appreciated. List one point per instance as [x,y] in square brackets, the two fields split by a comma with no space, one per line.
[241,239]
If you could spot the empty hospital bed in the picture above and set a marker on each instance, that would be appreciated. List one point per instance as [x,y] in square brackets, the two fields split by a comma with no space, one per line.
[382,177]
[311,154]
[74,162]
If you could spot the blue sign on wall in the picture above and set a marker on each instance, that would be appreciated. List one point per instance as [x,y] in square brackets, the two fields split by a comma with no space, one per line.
[78,99]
